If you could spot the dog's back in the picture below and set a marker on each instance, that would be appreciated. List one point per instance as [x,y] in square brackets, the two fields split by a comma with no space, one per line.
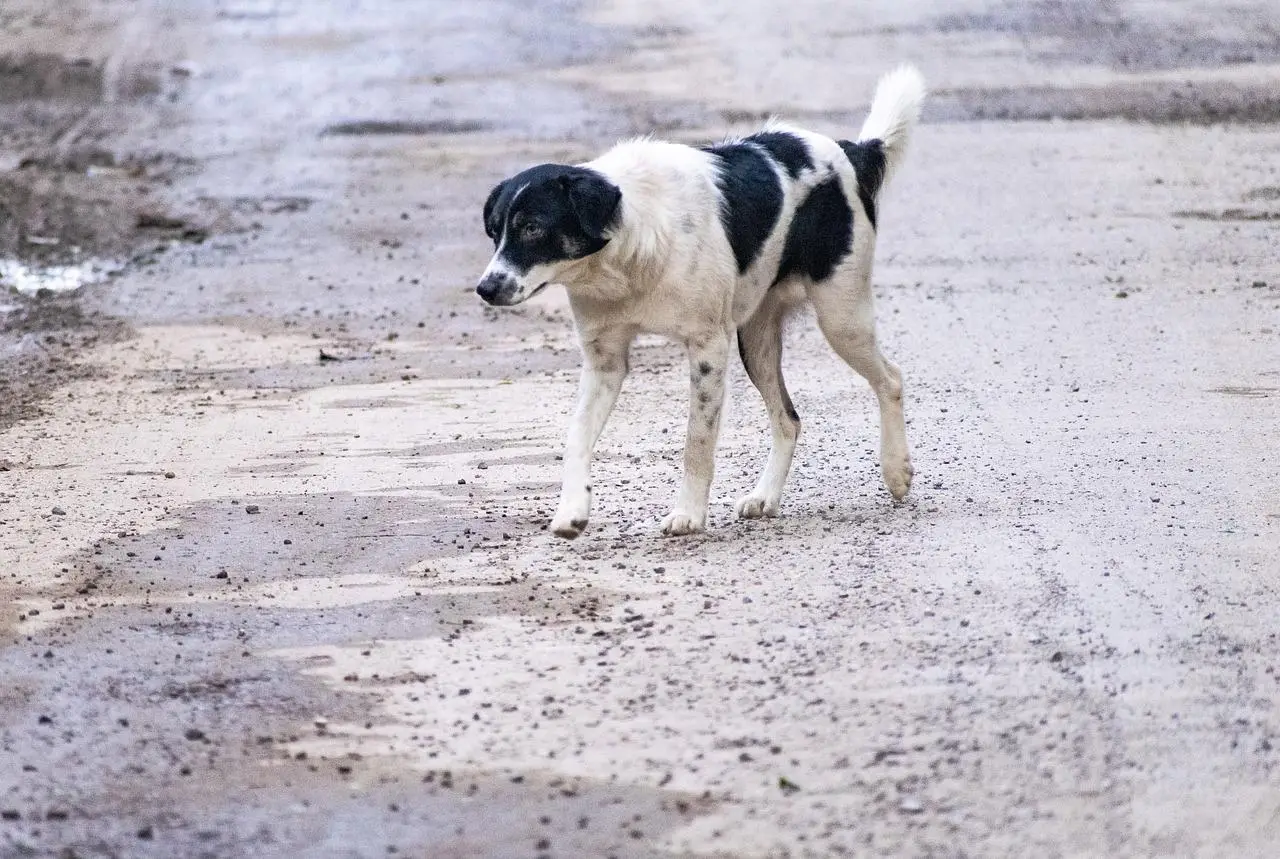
[789,201]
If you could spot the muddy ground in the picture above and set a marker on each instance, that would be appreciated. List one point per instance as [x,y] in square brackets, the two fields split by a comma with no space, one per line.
[274,573]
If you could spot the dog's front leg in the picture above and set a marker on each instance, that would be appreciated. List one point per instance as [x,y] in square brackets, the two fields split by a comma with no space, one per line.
[603,370]
[708,362]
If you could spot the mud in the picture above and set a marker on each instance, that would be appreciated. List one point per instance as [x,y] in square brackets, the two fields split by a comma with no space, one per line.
[189,707]
[1166,102]
[43,338]
[275,578]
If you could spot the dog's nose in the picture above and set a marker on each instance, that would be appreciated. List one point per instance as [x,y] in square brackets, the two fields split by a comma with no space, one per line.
[492,285]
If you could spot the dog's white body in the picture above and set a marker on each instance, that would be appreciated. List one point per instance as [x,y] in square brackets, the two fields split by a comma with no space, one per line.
[669,268]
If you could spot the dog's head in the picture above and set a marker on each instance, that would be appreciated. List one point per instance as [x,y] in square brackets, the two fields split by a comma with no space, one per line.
[540,220]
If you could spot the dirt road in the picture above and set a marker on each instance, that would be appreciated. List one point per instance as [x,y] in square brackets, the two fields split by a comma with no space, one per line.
[274,579]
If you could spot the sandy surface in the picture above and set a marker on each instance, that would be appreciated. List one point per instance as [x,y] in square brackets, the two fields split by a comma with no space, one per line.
[254,602]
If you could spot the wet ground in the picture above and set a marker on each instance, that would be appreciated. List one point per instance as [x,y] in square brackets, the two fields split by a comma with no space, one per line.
[274,574]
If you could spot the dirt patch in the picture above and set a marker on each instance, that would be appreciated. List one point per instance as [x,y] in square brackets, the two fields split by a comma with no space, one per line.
[374,127]
[134,760]
[48,76]
[1233,214]
[40,338]
[1267,193]
[1198,102]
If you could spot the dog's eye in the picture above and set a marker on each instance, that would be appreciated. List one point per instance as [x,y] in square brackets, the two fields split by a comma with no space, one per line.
[530,232]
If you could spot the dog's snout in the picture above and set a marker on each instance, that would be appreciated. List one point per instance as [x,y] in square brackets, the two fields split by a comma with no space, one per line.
[493,285]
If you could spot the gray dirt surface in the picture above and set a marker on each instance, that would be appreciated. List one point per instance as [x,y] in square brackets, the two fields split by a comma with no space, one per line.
[275,579]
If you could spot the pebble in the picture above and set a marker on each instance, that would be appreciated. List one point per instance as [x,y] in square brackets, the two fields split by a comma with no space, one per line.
[252,508]
[58,511]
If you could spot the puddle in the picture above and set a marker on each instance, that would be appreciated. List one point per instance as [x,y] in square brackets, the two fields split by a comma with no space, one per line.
[30,279]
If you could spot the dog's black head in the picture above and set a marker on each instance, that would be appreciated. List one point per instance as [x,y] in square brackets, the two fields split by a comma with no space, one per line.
[540,219]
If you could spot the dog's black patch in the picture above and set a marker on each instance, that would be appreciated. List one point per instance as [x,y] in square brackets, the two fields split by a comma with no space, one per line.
[752,198]
[821,234]
[868,162]
[787,149]
[549,213]
[704,367]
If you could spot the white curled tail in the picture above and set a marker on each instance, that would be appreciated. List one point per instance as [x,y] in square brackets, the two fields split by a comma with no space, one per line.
[894,113]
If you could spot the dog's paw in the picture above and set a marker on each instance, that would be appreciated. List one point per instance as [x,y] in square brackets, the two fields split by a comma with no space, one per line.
[678,524]
[898,478]
[568,528]
[755,507]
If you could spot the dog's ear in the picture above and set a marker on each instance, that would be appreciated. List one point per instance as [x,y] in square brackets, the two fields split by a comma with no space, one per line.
[492,224]
[594,200]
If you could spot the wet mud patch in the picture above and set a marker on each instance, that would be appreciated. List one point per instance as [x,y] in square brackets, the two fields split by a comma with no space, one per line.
[40,339]
[1197,102]
[1266,193]
[1247,391]
[1229,214]
[236,544]
[1119,35]
[48,76]
[383,127]
[148,715]
[73,210]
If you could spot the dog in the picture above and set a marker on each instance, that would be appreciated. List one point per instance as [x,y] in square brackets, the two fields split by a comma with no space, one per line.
[703,245]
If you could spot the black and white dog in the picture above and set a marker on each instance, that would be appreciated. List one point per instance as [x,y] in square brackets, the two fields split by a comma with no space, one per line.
[701,245]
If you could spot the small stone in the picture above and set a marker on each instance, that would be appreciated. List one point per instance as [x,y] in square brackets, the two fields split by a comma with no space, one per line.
[1122,294]
[58,511]
[1259,284]
[146,833]
[170,475]
[194,734]
[252,508]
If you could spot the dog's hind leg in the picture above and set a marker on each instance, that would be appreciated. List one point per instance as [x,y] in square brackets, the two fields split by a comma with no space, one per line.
[604,369]
[846,315]
[760,345]
[708,362]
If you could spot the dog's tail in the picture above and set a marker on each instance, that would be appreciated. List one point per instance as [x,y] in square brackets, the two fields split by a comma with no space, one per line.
[894,113]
